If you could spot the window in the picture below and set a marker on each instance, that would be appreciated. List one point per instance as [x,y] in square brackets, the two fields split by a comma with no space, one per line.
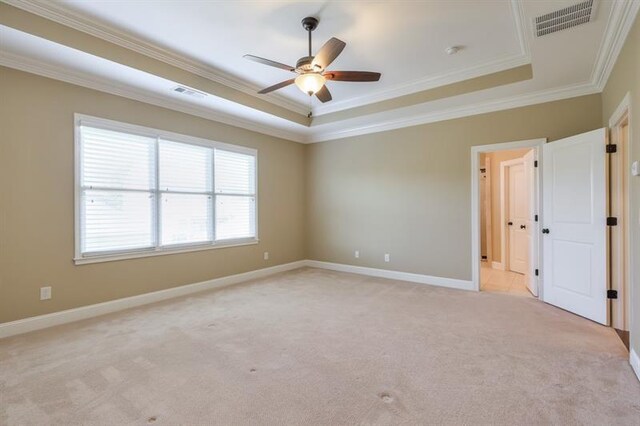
[141,192]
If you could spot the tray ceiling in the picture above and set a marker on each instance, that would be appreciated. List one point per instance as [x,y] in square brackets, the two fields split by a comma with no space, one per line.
[406,41]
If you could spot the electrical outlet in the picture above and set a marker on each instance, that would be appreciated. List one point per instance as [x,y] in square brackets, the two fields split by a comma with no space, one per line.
[387,258]
[266,255]
[356,254]
[45,293]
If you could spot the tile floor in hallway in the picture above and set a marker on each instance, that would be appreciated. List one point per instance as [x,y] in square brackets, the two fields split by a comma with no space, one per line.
[498,281]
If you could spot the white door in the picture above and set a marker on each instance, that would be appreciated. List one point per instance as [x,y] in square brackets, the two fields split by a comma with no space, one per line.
[530,175]
[574,225]
[518,216]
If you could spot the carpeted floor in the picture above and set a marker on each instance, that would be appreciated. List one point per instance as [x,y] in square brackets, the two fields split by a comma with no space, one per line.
[317,347]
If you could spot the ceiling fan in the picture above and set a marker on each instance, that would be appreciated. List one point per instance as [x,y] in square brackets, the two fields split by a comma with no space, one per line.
[312,70]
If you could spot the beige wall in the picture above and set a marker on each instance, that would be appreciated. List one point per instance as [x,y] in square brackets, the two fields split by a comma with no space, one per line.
[36,200]
[496,222]
[624,79]
[407,192]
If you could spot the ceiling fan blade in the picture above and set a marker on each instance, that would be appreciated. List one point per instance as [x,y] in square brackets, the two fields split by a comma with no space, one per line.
[323,94]
[328,53]
[269,62]
[352,75]
[277,86]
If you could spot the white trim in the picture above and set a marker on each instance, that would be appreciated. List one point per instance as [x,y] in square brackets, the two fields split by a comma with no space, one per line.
[159,252]
[423,84]
[70,315]
[536,144]
[159,133]
[56,12]
[505,257]
[619,23]
[305,135]
[393,275]
[49,320]
[497,265]
[107,86]
[523,57]
[623,108]
[156,249]
[634,360]
[380,124]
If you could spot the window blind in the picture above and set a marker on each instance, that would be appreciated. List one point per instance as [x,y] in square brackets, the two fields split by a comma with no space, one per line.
[117,183]
[146,192]
[235,195]
[186,206]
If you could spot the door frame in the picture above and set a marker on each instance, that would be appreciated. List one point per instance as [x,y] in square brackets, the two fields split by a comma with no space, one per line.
[619,173]
[536,144]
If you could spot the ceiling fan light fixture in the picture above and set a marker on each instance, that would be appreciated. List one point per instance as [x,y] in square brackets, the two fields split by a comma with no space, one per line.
[310,83]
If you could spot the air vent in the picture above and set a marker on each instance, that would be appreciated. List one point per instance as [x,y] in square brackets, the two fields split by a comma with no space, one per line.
[189,92]
[563,19]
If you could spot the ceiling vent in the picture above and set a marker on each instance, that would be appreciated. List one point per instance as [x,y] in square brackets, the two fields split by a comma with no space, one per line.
[563,19]
[190,92]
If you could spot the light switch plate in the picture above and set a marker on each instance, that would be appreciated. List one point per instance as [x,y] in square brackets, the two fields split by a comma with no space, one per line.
[635,168]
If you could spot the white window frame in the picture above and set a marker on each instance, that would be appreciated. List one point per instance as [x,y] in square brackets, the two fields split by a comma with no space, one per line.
[80,258]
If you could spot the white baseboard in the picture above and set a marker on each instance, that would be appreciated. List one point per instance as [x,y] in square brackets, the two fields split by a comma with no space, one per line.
[497,265]
[634,360]
[394,275]
[62,317]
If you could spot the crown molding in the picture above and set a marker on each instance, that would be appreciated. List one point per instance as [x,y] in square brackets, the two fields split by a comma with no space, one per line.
[104,85]
[430,82]
[56,12]
[424,84]
[621,18]
[619,23]
[409,120]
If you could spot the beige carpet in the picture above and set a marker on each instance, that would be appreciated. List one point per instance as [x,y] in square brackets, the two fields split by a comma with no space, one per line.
[319,347]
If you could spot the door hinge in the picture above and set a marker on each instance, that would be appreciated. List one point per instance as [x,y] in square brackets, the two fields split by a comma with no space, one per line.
[612,148]
[535,163]
[612,294]
[535,218]
[612,221]
[536,272]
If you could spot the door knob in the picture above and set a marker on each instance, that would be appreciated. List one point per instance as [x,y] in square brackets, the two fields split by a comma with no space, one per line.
[545,231]
[523,227]
[509,223]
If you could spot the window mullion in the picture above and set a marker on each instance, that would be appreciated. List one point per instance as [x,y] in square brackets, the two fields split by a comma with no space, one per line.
[213,196]
[156,196]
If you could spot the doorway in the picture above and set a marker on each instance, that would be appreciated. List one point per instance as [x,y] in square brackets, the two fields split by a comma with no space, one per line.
[577,245]
[505,232]
[506,216]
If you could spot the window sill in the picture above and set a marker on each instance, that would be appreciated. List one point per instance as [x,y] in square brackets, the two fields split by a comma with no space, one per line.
[161,252]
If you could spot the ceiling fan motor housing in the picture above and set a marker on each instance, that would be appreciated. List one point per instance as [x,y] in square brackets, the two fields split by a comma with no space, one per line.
[305,64]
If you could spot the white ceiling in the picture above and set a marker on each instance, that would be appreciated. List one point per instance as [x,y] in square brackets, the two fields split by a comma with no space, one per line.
[405,40]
